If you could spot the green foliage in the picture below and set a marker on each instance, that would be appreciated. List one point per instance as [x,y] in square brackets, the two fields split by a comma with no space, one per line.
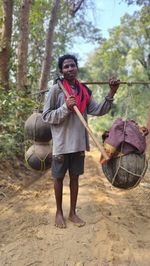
[67,27]
[138,2]
[125,55]
[15,108]
[1,13]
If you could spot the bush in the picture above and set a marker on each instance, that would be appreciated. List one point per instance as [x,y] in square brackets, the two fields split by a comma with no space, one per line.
[15,108]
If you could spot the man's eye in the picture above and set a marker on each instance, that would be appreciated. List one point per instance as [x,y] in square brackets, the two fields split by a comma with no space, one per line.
[67,66]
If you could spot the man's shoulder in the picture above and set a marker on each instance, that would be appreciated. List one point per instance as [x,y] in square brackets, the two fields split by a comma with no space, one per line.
[54,89]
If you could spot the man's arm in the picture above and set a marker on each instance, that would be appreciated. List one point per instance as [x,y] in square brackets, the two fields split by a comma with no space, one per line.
[51,112]
[99,109]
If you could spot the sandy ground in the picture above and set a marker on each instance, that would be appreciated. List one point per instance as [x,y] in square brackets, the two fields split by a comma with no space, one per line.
[117,230]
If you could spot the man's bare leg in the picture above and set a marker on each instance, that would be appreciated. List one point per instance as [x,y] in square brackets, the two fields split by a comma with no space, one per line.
[74,187]
[58,188]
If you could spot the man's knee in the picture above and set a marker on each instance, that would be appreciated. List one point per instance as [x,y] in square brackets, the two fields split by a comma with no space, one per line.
[74,177]
[58,180]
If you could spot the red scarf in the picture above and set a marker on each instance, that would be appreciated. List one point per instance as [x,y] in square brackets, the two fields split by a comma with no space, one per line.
[81,94]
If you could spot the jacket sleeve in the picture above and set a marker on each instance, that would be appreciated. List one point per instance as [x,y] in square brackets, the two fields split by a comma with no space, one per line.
[53,113]
[99,109]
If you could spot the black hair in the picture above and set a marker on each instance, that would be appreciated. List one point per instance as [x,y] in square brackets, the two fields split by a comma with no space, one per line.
[61,59]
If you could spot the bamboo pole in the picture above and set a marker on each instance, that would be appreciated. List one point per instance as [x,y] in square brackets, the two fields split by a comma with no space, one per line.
[129,83]
[121,82]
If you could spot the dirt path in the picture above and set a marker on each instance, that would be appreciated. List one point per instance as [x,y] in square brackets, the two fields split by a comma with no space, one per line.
[117,230]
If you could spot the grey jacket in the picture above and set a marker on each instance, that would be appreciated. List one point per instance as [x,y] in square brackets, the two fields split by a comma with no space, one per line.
[68,133]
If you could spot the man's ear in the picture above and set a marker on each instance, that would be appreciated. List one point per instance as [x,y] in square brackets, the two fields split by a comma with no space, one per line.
[61,73]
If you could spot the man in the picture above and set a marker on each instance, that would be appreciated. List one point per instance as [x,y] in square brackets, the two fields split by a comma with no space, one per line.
[70,139]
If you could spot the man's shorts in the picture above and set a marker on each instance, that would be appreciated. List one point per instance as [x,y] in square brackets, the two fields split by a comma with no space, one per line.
[73,162]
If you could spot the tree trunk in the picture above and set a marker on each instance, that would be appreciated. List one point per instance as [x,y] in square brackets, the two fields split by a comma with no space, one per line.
[23,45]
[49,47]
[148,136]
[5,43]
[75,7]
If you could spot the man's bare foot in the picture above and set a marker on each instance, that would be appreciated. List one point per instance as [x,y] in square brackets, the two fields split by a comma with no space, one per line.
[76,220]
[60,221]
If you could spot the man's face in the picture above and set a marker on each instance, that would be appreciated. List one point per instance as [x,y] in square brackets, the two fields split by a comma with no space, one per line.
[69,70]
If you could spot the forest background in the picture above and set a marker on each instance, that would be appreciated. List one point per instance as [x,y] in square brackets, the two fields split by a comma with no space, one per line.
[34,33]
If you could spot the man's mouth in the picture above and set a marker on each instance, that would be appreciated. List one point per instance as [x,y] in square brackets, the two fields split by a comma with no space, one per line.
[71,74]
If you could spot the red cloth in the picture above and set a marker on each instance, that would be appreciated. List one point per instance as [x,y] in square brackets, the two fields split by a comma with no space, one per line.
[81,94]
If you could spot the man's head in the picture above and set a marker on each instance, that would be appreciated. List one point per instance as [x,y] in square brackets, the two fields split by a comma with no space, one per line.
[68,66]
[63,58]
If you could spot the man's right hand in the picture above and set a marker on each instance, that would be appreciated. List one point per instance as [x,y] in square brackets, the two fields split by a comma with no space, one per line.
[114,85]
[70,102]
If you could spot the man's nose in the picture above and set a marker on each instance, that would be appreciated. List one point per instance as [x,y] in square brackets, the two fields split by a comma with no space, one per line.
[70,67]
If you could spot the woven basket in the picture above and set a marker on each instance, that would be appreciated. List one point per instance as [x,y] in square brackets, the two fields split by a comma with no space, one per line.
[39,156]
[36,129]
[127,171]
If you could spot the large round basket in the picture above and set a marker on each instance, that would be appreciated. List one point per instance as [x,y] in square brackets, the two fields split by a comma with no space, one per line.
[127,171]
[39,156]
[36,129]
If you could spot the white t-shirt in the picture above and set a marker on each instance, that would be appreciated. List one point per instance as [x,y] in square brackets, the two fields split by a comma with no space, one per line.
[68,133]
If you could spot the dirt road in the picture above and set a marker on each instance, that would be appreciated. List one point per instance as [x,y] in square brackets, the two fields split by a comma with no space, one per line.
[117,230]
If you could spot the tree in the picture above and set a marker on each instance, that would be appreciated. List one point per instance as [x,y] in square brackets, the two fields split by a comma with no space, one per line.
[5,43]
[27,55]
[148,136]
[67,28]
[50,41]
[23,45]
[49,47]
[125,54]
[75,6]
[138,2]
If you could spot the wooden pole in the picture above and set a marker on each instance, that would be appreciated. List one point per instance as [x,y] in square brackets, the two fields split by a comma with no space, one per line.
[75,108]
[129,83]
[121,82]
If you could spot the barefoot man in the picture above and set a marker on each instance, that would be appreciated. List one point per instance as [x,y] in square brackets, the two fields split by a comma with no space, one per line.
[70,139]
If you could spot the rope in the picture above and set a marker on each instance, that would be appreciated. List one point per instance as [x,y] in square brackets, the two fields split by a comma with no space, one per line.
[42,161]
[141,175]
[113,180]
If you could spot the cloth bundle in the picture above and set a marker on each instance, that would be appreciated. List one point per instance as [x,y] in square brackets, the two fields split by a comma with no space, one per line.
[124,137]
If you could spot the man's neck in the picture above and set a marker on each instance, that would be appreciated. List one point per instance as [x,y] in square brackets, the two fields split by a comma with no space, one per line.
[71,82]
